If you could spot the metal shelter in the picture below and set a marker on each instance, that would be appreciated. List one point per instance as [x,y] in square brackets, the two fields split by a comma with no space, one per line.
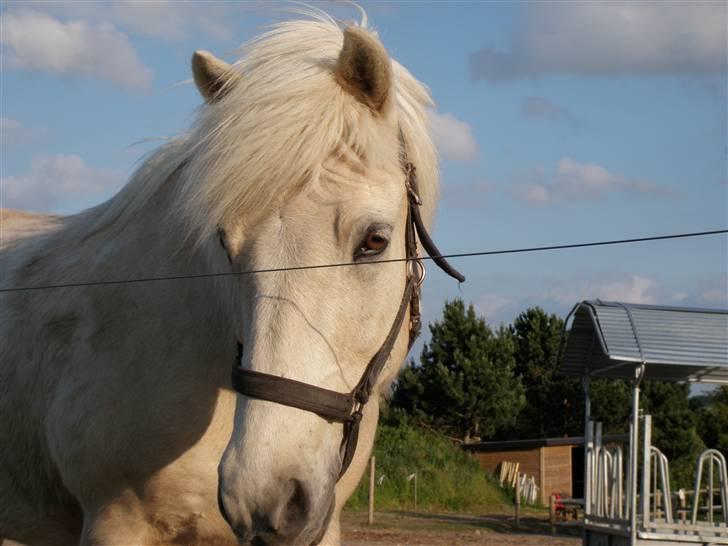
[635,505]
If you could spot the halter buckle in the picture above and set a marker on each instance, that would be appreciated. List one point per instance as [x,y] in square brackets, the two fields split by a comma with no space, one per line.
[415,327]
[355,416]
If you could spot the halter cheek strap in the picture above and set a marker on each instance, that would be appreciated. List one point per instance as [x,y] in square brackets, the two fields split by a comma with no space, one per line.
[346,408]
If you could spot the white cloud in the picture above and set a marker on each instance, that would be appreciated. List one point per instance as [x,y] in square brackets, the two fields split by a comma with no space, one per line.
[490,304]
[637,289]
[714,296]
[57,180]
[609,39]
[14,133]
[175,19]
[592,180]
[453,137]
[711,291]
[536,193]
[171,20]
[36,41]
[572,180]
[680,296]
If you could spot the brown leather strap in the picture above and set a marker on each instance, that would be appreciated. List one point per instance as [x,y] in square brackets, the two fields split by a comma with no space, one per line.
[368,381]
[347,408]
[331,405]
[427,243]
[370,376]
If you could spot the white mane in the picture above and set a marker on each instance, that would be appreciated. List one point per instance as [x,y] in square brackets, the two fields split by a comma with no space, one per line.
[274,128]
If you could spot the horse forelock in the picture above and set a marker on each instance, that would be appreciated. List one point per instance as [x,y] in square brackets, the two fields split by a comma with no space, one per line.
[282,119]
[272,132]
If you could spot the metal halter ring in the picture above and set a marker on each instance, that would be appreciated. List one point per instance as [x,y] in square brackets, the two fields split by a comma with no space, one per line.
[416,263]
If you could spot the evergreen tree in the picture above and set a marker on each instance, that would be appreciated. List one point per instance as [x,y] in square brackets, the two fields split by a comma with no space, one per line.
[713,419]
[464,385]
[611,405]
[554,404]
[674,427]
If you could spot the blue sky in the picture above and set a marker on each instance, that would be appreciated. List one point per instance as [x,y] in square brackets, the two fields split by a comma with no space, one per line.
[557,122]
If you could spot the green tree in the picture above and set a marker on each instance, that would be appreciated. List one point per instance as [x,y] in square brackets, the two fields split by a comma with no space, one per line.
[674,427]
[713,419]
[611,404]
[464,385]
[554,404]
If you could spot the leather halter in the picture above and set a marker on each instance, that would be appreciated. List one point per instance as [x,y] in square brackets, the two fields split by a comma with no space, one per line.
[346,408]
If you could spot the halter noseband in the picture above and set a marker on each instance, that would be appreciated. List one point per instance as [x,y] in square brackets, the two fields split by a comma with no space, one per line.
[346,408]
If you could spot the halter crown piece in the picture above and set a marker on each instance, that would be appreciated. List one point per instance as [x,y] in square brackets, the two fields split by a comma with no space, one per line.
[346,408]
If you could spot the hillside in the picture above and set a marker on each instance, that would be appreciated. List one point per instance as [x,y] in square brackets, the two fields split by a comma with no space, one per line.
[448,479]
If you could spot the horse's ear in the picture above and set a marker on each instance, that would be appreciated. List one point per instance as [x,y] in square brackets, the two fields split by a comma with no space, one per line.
[364,68]
[213,77]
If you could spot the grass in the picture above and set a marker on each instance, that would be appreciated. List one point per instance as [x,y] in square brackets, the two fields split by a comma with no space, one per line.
[448,479]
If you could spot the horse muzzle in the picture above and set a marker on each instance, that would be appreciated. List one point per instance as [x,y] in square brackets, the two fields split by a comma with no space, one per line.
[289,515]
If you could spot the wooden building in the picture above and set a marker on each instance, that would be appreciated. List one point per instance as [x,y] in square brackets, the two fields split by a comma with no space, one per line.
[555,463]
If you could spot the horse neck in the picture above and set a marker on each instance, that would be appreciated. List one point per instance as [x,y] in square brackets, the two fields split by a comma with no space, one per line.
[152,242]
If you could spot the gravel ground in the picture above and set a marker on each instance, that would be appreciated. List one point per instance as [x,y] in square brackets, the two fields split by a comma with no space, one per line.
[407,529]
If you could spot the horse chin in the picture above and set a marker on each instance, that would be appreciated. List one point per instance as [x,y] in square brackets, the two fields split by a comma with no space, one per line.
[312,535]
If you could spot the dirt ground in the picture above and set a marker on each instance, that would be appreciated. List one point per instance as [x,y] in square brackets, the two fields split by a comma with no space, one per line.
[409,529]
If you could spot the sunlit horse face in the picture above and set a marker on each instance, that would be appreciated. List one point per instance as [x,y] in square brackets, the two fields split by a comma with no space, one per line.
[319,326]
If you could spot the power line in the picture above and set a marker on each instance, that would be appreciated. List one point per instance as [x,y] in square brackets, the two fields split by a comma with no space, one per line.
[392,260]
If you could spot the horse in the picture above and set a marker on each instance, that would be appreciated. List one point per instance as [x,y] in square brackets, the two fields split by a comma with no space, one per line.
[119,324]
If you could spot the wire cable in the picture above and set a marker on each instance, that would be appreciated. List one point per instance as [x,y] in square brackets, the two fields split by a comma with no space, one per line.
[391,260]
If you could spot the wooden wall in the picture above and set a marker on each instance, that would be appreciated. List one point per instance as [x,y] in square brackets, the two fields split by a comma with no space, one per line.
[529,460]
[549,465]
[557,462]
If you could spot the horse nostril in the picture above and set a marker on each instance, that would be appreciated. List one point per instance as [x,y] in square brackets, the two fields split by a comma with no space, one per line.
[299,502]
[291,514]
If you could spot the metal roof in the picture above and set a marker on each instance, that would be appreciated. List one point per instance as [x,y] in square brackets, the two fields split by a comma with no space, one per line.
[609,339]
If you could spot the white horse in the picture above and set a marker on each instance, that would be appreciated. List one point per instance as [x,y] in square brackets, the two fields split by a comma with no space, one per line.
[117,422]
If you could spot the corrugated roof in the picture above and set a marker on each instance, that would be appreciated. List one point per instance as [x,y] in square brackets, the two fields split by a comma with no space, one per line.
[609,339]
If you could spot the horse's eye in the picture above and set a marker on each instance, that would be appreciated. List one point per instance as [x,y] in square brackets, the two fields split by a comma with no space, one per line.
[375,242]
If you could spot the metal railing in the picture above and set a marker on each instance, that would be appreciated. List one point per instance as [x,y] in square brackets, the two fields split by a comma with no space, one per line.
[661,495]
[714,458]
[608,502]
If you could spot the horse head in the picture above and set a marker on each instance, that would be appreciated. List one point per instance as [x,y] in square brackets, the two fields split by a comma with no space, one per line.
[298,162]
